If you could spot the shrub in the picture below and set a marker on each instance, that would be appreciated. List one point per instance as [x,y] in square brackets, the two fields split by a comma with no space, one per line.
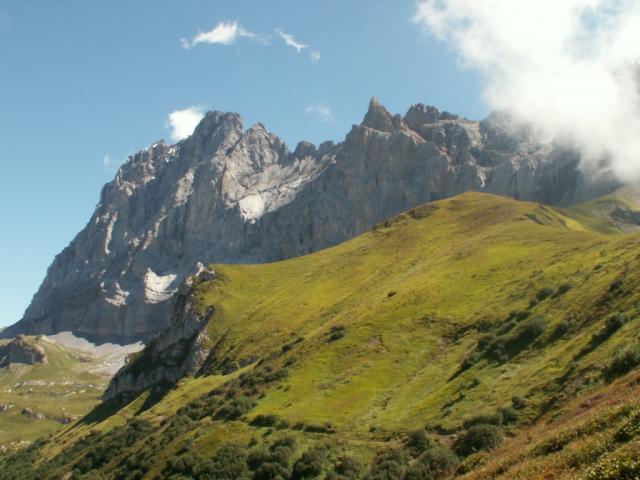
[485,419]
[440,460]
[518,402]
[388,465]
[315,428]
[255,458]
[564,288]
[347,467]
[311,464]
[509,414]
[470,360]
[336,335]
[560,329]
[270,471]
[282,455]
[615,285]
[630,428]
[418,471]
[614,322]
[544,293]
[532,328]
[229,462]
[418,441]
[265,420]
[518,315]
[477,438]
[235,408]
[623,362]
[486,341]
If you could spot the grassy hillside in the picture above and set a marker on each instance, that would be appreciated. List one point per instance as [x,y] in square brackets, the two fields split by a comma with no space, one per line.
[39,399]
[339,363]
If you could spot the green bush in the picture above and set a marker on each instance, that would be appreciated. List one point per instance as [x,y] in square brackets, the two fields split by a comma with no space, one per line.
[470,360]
[440,460]
[560,329]
[623,362]
[270,471]
[564,288]
[316,428]
[630,428]
[418,441]
[235,408]
[265,420]
[484,419]
[388,465]
[518,402]
[477,438]
[486,341]
[346,468]
[229,462]
[519,315]
[418,471]
[614,322]
[311,464]
[509,414]
[544,293]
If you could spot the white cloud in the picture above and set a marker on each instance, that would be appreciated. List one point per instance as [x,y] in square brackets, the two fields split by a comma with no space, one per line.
[570,67]
[183,122]
[290,40]
[108,163]
[315,56]
[224,33]
[320,111]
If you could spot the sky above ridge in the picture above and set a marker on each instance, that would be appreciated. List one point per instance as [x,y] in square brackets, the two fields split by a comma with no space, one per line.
[84,84]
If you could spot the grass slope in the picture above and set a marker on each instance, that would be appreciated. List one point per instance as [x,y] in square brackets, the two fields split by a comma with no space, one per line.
[448,311]
[63,389]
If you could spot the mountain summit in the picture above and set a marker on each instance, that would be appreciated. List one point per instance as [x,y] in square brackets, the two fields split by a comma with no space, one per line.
[226,194]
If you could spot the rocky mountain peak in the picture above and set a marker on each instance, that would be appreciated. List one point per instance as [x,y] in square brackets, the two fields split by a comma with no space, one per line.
[228,195]
[378,117]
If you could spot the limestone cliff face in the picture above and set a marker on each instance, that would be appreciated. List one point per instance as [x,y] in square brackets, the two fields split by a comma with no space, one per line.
[226,194]
[20,350]
[178,351]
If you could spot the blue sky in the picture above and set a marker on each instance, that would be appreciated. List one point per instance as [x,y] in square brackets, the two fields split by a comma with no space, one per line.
[81,81]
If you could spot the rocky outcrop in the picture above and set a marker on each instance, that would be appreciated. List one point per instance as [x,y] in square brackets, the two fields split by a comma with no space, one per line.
[21,350]
[226,194]
[180,350]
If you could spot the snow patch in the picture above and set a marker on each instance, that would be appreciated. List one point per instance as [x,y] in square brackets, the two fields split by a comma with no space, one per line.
[119,296]
[252,207]
[184,188]
[157,288]
[109,235]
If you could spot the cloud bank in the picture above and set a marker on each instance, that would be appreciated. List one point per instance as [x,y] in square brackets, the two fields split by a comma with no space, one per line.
[227,32]
[320,111]
[224,33]
[183,122]
[569,67]
[290,40]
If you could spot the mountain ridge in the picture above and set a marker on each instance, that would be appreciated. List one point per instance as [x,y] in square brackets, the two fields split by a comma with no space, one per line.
[476,313]
[226,194]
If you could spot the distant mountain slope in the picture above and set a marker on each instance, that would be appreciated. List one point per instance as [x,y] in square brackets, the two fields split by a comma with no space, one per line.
[475,305]
[232,195]
[60,386]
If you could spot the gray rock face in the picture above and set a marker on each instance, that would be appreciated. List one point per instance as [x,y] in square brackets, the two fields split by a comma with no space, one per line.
[178,351]
[19,350]
[226,194]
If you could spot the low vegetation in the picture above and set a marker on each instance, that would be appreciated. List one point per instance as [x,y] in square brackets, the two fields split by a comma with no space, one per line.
[470,369]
